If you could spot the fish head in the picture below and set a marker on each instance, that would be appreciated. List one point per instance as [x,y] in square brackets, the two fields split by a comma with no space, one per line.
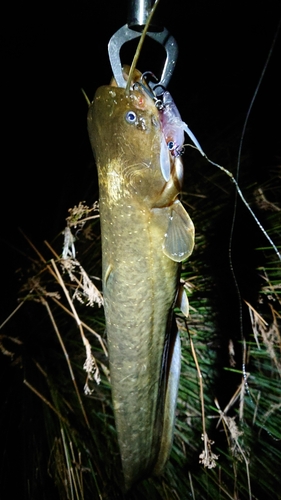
[130,148]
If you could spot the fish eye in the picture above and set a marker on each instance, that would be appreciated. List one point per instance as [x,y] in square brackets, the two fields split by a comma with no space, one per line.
[131,117]
[171,145]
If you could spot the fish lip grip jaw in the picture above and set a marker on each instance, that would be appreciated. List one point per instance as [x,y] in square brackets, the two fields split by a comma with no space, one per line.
[137,17]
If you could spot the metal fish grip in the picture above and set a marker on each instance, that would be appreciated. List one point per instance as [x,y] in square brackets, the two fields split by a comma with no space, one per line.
[137,18]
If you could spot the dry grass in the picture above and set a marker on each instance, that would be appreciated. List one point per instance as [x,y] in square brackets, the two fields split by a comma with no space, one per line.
[83,458]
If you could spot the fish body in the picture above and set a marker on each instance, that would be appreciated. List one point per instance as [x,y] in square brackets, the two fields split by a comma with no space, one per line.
[145,234]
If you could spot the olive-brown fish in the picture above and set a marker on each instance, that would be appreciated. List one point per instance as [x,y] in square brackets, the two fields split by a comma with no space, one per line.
[146,233]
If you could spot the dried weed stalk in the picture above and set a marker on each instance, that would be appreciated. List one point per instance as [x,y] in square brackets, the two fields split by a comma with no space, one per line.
[73,479]
[270,334]
[85,291]
[207,457]
[3,349]
[90,365]
[69,469]
[79,215]
[233,433]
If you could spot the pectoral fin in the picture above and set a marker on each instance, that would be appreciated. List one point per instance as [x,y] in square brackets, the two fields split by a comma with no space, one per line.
[170,407]
[179,239]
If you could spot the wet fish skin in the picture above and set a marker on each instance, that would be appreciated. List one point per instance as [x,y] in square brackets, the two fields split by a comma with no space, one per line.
[140,281]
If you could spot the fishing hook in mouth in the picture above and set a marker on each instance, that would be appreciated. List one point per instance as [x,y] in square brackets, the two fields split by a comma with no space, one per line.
[146,80]
[158,103]
[156,97]
[150,91]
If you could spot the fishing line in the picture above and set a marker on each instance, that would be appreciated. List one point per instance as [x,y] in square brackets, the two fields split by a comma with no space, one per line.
[178,122]
[238,192]
[235,180]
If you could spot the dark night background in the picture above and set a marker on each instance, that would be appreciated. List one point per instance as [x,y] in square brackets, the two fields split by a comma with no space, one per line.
[50,50]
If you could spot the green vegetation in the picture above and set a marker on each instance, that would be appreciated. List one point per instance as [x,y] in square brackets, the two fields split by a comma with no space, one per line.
[227,441]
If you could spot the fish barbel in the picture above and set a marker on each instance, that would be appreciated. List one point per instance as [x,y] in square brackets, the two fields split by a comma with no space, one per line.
[146,233]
